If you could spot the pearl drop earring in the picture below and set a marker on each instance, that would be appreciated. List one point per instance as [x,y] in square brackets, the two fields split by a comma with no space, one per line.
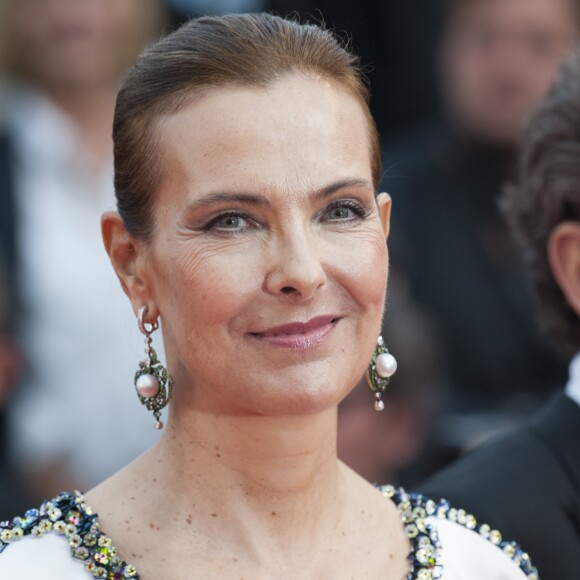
[382,367]
[152,381]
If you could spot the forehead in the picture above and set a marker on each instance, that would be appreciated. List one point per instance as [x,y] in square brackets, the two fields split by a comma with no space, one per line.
[298,133]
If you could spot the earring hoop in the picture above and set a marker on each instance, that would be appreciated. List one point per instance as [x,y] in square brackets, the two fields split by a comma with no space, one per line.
[143,325]
[153,383]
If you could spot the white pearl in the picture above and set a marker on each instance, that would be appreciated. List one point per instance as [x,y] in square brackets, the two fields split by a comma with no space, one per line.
[147,386]
[386,365]
[379,405]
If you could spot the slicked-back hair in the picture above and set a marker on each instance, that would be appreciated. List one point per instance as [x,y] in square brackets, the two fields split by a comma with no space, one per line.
[248,50]
[547,194]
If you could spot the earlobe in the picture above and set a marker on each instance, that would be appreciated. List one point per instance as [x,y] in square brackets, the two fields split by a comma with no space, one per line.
[124,252]
[384,203]
[564,256]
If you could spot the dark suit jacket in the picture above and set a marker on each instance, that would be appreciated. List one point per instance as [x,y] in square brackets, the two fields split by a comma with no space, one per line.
[527,485]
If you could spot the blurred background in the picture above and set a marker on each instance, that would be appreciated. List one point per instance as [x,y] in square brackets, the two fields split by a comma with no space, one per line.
[452,81]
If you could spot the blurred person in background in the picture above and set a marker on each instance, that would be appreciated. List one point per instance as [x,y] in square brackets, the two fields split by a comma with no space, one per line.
[64,61]
[528,482]
[498,58]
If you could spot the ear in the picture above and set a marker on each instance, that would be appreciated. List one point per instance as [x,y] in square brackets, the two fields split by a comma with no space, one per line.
[564,256]
[127,257]
[384,203]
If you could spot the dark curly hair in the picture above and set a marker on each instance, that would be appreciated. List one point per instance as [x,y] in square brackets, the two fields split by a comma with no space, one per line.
[547,194]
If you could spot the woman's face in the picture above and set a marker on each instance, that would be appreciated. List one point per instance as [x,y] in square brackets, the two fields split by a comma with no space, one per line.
[268,261]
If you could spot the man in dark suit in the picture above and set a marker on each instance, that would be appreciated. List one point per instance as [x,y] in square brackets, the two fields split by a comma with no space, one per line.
[527,483]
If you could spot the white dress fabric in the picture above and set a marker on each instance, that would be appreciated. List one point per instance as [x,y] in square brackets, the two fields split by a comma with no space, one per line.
[465,555]
[60,552]
[573,386]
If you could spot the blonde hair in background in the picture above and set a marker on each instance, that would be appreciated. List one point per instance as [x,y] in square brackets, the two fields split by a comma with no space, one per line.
[149,17]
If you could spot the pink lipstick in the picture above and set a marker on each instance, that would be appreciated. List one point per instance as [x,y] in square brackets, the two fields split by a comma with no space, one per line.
[299,335]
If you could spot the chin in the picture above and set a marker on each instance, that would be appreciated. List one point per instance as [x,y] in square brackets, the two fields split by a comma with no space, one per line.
[286,396]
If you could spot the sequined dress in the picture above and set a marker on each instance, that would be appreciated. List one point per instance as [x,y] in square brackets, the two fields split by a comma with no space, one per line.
[63,540]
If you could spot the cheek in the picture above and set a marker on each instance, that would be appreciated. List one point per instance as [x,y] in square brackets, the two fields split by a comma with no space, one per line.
[361,268]
[360,272]
[204,289]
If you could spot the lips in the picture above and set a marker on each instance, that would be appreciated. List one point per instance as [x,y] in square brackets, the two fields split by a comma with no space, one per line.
[299,334]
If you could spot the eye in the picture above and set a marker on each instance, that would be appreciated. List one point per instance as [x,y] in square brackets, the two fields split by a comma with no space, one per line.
[229,222]
[339,213]
[344,210]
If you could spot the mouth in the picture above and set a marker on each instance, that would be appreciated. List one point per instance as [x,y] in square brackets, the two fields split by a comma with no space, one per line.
[299,335]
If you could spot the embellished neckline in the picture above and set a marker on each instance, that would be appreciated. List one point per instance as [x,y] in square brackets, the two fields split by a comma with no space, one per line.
[416,509]
[69,515]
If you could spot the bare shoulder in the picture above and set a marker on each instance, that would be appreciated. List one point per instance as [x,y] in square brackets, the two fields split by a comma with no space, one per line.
[117,497]
[370,516]
[365,500]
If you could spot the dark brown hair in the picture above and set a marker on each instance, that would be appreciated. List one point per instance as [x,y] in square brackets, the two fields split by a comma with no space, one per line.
[547,194]
[235,50]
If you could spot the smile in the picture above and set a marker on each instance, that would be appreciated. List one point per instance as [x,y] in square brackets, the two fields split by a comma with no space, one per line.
[299,335]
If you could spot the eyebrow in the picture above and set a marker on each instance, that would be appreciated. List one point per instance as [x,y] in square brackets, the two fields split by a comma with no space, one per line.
[337,186]
[261,201]
[224,196]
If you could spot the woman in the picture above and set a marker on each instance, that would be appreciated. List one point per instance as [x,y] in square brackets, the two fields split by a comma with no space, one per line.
[246,171]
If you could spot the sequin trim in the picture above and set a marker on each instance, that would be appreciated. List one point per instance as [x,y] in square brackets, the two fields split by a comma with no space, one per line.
[425,554]
[68,515]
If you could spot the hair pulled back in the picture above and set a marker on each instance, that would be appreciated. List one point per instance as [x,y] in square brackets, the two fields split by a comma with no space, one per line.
[251,50]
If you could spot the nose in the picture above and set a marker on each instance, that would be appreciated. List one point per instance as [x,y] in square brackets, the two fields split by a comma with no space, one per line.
[296,270]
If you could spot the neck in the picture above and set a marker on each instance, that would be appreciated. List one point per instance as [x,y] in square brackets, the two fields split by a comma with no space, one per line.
[281,454]
[92,109]
[266,477]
